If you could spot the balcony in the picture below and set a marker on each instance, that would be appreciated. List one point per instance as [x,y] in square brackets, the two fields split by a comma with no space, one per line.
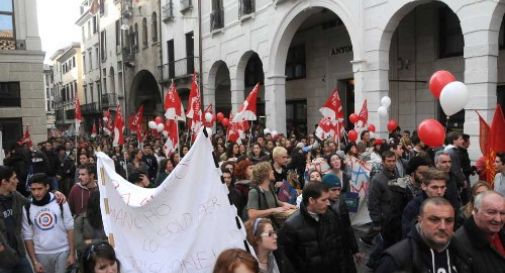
[186,5]
[109,100]
[168,11]
[127,8]
[246,7]
[177,69]
[90,108]
[128,54]
[216,19]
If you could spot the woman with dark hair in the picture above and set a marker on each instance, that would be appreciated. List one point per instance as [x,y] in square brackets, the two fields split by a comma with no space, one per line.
[136,163]
[337,168]
[262,236]
[166,167]
[89,226]
[236,260]
[232,152]
[100,258]
[257,154]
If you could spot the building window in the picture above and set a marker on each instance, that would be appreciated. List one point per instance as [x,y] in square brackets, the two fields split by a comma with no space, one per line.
[154,27]
[95,26]
[246,7]
[14,126]
[7,37]
[90,58]
[118,33]
[112,80]
[91,93]
[217,15]
[84,61]
[75,89]
[103,45]
[85,90]
[136,37]
[97,54]
[83,34]
[295,63]
[73,61]
[450,36]
[144,33]
[104,75]
[10,95]
[190,53]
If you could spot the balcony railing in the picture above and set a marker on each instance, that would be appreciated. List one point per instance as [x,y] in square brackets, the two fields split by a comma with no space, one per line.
[177,69]
[90,108]
[109,100]
[216,19]
[246,7]
[128,54]
[168,11]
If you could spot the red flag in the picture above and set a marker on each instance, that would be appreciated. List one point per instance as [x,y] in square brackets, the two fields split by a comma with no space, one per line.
[498,131]
[78,115]
[208,111]
[324,128]
[118,128]
[484,132]
[172,142]
[108,125]
[332,109]
[247,110]
[173,105]
[363,114]
[26,138]
[93,130]
[135,121]
[194,99]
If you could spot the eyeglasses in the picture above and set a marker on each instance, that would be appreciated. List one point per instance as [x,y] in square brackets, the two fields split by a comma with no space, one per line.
[270,234]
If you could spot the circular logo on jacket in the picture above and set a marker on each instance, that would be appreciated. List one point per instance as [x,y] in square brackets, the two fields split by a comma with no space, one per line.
[45,220]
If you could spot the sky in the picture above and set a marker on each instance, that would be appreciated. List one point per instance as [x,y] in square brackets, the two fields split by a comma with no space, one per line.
[57,26]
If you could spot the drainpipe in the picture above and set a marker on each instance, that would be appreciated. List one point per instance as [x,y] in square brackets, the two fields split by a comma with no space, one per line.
[200,50]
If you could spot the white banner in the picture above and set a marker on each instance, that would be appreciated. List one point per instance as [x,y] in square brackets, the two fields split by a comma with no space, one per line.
[360,180]
[180,226]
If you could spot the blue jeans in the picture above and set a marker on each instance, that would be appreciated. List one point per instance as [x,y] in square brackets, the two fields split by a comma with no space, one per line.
[23,266]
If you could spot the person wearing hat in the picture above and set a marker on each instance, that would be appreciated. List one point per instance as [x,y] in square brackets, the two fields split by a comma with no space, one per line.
[338,205]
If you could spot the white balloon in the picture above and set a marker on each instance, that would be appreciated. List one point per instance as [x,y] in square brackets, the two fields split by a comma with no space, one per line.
[454,97]
[274,133]
[208,117]
[160,127]
[266,131]
[383,111]
[152,124]
[165,133]
[386,101]
[105,119]
[209,130]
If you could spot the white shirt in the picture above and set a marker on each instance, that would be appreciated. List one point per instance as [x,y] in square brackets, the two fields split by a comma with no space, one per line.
[499,183]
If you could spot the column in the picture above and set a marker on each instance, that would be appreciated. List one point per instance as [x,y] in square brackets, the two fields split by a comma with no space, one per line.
[237,92]
[275,103]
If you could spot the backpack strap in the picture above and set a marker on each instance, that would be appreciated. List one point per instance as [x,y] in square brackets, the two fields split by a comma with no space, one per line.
[27,209]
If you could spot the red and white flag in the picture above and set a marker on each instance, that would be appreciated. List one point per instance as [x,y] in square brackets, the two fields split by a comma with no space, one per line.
[135,121]
[236,131]
[194,108]
[173,105]
[26,138]
[93,130]
[118,128]
[247,110]
[209,112]
[108,124]
[78,115]
[324,128]
[332,109]
[172,142]
[363,114]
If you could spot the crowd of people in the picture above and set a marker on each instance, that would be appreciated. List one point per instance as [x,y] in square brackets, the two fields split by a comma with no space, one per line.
[293,193]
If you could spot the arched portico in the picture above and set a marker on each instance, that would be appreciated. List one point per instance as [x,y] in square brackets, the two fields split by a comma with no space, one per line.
[218,87]
[145,91]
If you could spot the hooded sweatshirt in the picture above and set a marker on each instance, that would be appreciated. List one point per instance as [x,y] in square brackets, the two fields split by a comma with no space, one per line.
[78,198]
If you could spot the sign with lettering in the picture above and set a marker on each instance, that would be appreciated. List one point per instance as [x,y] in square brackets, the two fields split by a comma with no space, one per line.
[180,226]
[340,50]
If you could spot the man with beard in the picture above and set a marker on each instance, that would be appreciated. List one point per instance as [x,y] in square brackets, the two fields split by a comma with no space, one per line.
[65,171]
[150,161]
[428,247]
[482,238]
[415,169]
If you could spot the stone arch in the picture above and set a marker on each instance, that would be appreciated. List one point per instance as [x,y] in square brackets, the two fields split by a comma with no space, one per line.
[291,22]
[219,87]
[145,90]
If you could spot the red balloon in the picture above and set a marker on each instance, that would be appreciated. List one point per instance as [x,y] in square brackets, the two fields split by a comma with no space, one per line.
[158,120]
[371,128]
[392,125]
[431,132]
[438,80]
[220,116]
[353,118]
[225,122]
[352,135]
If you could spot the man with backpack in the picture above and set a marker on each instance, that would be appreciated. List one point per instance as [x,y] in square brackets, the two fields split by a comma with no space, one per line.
[48,228]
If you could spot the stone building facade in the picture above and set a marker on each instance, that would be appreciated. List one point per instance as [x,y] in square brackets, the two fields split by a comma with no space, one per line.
[367,49]
[21,72]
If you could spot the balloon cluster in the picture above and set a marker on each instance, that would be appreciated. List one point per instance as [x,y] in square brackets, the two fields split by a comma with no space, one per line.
[224,121]
[383,108]
[453,95]
[158,125]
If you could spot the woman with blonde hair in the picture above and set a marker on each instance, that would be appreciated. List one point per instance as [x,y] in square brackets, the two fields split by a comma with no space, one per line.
[235,260]
[263,238]
[466,211]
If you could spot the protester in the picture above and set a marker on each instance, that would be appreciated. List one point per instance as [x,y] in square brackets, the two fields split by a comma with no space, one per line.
[499,179]
[151,162]
[101,258]
[262,236]
[236,260]
[166,167]
[443,162]
[80,192]
[482,238]
[466,211]
[428,247]
[48,228]
[337,168]
[136,163]
[242,175]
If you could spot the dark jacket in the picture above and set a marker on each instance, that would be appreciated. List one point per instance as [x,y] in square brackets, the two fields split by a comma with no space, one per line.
[314,246]
[340,208]
[477,249]
[412,255]
[10,255]
[409,217]
[379,198]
